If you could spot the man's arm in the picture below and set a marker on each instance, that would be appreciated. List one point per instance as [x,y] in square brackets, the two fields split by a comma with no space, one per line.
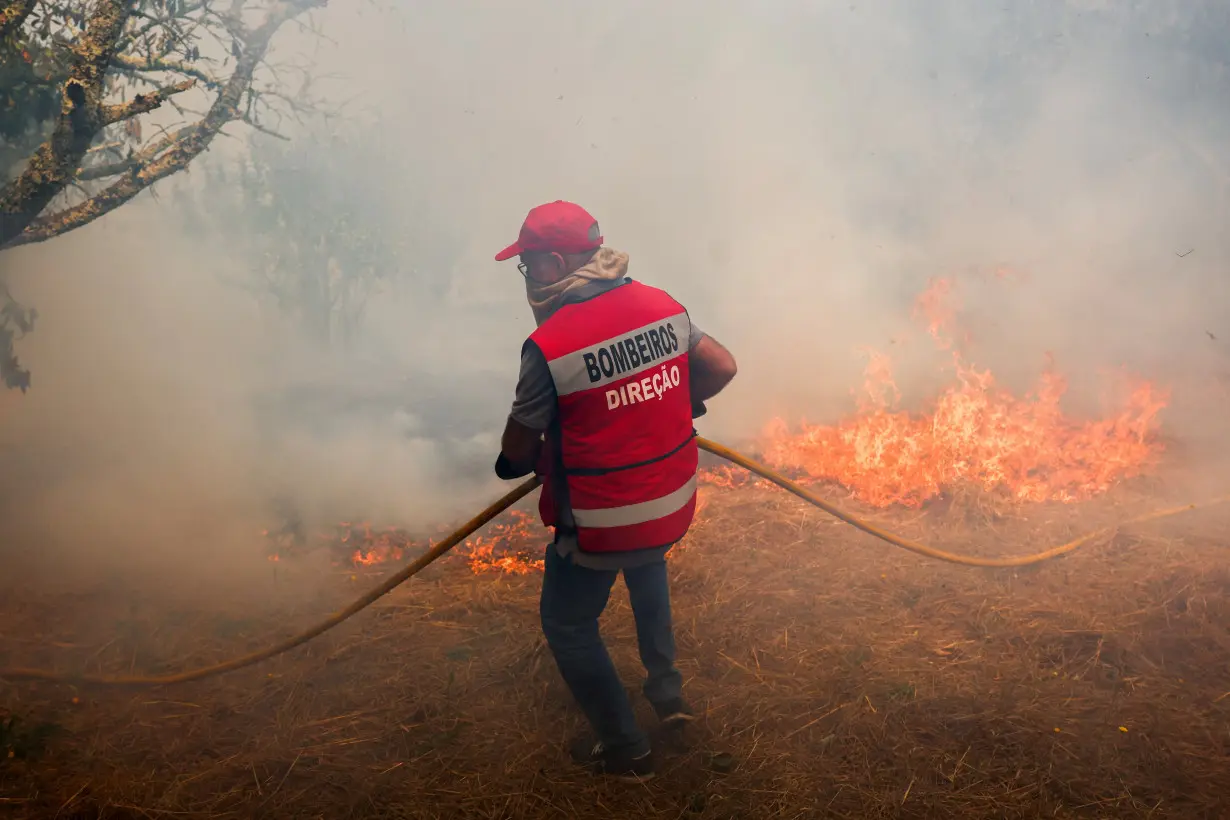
[711,368]
[519,447]
[532,412]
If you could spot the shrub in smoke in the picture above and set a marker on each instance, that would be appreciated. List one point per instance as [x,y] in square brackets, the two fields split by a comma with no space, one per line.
[310,232]
[15,322]
[313,232]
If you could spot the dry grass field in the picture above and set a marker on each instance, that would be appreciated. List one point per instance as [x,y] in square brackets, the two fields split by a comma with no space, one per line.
[835,676]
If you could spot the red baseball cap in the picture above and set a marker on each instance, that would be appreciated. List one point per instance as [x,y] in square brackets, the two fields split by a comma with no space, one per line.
[560,227]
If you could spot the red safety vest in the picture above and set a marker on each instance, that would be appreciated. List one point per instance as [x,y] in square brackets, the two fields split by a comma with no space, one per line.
[623,440]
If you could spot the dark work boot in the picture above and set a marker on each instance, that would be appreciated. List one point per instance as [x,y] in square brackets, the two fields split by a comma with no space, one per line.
[618,763]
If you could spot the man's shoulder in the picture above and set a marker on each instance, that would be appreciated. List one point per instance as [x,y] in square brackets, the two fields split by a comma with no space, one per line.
[530,350]
[631,297]
[653,291]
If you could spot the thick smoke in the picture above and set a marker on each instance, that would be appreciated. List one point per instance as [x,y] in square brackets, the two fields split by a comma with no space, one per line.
[794,172]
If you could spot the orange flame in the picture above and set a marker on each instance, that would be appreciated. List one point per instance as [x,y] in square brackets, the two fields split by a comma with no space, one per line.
[977,433]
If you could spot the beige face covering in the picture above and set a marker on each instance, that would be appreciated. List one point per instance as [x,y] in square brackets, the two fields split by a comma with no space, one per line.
[606,266]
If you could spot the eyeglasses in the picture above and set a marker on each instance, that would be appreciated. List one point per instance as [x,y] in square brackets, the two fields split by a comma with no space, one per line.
[524,268]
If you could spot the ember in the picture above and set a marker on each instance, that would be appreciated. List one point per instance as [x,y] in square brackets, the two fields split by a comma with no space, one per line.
[373,546]
[510,547]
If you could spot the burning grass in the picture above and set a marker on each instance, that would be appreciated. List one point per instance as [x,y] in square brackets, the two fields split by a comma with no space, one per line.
[975,434]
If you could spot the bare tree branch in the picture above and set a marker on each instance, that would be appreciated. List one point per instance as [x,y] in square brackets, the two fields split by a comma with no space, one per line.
[56,160]
[143,103]
[126,62]
[265,129]
[176,151]
[104,170]
[94,71]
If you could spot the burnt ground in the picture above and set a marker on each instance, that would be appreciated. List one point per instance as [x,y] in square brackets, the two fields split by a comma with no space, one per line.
[843,676]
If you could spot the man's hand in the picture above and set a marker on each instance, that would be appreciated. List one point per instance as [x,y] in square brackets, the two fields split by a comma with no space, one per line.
[519,448]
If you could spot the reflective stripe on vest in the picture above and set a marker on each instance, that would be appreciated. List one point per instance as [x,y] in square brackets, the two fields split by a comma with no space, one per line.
[626,443]
[637,513]
[634,352]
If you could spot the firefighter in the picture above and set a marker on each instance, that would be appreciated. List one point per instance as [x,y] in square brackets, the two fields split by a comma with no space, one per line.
[610,383]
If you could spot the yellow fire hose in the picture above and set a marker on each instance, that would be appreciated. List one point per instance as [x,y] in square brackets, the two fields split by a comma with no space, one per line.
[524,489]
